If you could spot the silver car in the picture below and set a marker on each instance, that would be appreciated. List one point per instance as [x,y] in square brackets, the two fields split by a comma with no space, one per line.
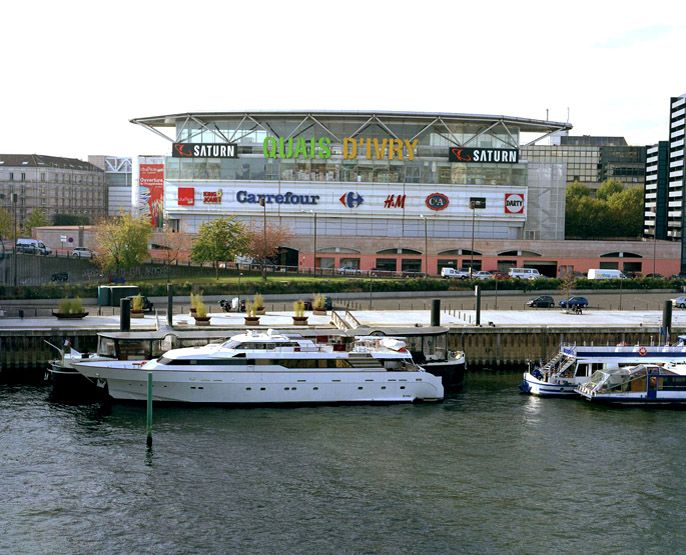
[679,302]
[82,252]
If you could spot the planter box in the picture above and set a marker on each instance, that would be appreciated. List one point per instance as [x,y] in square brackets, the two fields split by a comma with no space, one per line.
[252,321]
[318,312]
[137,314]
[202,321]
[260,311]
[69,315]
[300,320]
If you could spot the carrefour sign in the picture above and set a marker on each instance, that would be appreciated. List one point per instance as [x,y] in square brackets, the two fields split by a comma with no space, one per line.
[244,197]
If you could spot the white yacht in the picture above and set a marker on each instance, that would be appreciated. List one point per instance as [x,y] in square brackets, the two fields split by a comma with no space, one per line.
[643,384]
[263,368]
[573,365]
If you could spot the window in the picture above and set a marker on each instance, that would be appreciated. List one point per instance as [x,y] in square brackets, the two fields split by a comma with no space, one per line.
[11,176]
[23,176]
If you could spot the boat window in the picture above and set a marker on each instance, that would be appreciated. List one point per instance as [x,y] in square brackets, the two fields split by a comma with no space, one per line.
[205,361]
[106,347]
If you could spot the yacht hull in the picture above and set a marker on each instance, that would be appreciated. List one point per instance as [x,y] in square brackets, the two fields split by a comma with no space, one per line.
[126,381]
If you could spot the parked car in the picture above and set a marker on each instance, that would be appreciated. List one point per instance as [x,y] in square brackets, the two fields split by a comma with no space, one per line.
[524,273]
[679,302]
[500,275]
[82,252]
[347,271]
[32,246]
[574,301]
[453,273]
[657,276]
[482,274]
[375,272]
[542,301]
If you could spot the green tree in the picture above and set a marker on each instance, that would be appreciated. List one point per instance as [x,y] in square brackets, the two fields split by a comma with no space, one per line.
[220,240]
[123,242]
[585,216]
[608,188]
[6,224]
[626,211]
[37,218]
[576,190]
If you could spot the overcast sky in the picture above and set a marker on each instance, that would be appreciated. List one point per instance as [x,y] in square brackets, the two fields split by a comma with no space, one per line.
[75,73]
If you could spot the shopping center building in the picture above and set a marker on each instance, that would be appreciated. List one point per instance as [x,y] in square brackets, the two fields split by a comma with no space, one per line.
[387,190]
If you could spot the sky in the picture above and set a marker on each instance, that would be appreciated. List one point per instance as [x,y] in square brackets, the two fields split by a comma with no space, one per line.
[75,72]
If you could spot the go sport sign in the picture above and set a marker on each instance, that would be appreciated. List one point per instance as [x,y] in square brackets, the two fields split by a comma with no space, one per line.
[483,155]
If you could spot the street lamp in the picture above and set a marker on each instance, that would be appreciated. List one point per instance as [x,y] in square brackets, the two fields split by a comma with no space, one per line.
[472,205]
[14,245]
[263,204]
[426,246]
[314,247]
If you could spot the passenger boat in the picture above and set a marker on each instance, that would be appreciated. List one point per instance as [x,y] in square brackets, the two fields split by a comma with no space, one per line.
[267,367]
[642,384]
[574,365]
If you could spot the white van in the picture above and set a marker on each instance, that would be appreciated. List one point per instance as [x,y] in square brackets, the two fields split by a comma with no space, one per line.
[32,246]
[524,273]
[595,273]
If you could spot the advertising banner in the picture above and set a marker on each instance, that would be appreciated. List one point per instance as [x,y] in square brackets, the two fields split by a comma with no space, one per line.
[151,192]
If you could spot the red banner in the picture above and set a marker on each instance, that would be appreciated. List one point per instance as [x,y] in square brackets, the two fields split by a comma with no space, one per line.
[151,182]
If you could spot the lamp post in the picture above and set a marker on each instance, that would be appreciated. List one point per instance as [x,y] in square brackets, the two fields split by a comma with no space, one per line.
[264,237]
[426,246]
[472,205]
[14,244]
[314,247]
[654,237]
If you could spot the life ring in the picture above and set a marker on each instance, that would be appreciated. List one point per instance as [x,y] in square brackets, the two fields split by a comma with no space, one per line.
[642,351]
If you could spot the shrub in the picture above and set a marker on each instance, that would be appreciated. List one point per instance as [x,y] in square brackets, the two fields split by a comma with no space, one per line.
[70,306]
[319,302]
[299,308]
[259,301]
[137,303]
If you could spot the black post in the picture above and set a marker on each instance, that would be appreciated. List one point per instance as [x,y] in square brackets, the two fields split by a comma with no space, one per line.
[477,292]
[667,320]
[170,304]
[125,315]
[435,312]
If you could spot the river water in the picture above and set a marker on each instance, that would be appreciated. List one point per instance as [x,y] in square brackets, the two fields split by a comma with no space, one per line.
[486,471]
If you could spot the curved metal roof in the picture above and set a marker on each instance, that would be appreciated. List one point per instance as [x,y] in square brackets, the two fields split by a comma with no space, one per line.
[439,122]
[525,124]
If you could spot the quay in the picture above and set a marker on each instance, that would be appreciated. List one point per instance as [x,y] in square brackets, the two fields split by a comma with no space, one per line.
[505,339]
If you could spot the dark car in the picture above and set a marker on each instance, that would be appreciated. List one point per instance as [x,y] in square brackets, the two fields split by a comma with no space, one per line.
[500,275]
[581,302]
[542,301]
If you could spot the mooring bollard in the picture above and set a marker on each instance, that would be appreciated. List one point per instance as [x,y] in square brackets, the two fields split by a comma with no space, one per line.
[148,416]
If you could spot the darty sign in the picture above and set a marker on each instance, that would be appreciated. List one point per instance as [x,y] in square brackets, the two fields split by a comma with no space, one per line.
[371,149]
[483,155]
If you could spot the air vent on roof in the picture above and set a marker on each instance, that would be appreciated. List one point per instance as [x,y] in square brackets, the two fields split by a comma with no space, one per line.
[24,163]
